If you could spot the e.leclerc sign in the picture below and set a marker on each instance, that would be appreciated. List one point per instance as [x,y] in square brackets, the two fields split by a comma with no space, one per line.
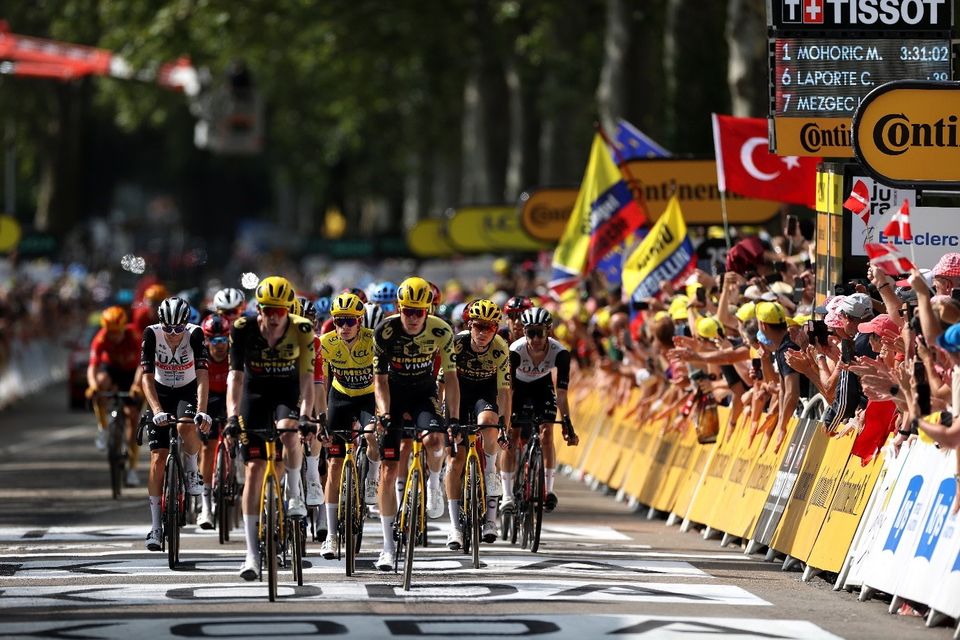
[907,134]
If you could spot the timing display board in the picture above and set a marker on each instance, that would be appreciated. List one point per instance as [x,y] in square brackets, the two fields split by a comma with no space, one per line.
[827,78]
[860,15]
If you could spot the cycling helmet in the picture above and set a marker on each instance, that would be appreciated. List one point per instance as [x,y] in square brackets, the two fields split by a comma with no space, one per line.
[357,291]
[113,318]
[414,293]
[156,293]
[215,325]
[384,293]
[517,305]
[322,306]
[308,308]
[228,299]
[174,311]
[194,317]
[465,312]
[347,304]
[437,296]
[275,291]
[296,307]
[485,311]
[536,315]
[372,316]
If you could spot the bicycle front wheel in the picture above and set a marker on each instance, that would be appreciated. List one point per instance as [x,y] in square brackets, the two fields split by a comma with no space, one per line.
[348,502]
[269,530]
[537,498]
[115,454]
[171,513]
[474,511]
[221,481]
[411,527]
[297,528]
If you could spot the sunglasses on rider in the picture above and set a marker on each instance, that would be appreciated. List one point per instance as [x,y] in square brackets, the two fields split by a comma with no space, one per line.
[483,327]
[274,312]
[219,340]
[346,322]
[534,332]
[174,328]
[414,313]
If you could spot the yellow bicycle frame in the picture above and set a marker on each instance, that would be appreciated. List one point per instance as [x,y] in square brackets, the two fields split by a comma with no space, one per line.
[473,455]
[348,459]
[270,475]
[415,465]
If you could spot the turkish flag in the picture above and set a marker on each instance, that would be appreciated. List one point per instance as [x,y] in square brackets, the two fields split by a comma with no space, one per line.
[745,167]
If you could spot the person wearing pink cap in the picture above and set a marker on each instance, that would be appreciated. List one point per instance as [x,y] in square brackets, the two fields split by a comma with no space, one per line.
[946,274]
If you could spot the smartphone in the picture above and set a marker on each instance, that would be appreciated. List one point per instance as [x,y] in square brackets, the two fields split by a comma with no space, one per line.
[757,368]
[701,295]
[955,294]
[798,285]
[839,290]
[846,350]
[792,226]
[817,332]
[922,386]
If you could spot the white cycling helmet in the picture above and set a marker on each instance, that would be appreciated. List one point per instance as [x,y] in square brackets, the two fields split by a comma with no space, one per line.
[372,316]
[228,299]
[536,315]
[174,311]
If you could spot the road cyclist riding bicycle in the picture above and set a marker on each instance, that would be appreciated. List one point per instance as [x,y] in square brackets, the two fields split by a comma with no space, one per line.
[483,366]
[532,361]
[271,374]
[348,359]
[174,362]
[405,346]
[216,333]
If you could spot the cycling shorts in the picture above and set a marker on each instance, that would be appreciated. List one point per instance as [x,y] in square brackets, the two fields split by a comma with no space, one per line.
[260,412]
[173,400]
[533,400]
[423,410]
[342,411]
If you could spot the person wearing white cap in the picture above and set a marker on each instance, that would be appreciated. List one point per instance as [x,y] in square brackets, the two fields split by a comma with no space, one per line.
[848,397]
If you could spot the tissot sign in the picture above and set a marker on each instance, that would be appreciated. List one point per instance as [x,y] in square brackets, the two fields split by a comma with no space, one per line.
[861,15]
[907,134]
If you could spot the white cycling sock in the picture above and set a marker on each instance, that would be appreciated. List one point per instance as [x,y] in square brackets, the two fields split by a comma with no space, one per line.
[389,544]
[250,524]
[492,509]
[506,477]
[548,476]
[206,498]
[190,461]
[453,506]
[434,480]
[331,510]
[491,460]
[293,482]
[373,471]
[313,468]
[155,512]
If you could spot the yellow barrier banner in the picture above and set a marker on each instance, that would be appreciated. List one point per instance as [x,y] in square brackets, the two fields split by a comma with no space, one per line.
[606,453]
[647,444]
[663,453]
[629,456]
[846,510]
[690,483]
[807,508]
[706,500]
[680,464]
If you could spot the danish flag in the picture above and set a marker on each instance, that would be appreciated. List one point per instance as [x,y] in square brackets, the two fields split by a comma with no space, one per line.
[899,225]
[859,201]
[887,258]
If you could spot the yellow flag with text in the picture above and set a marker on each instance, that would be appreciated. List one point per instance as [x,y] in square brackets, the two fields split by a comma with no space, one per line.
[665,255]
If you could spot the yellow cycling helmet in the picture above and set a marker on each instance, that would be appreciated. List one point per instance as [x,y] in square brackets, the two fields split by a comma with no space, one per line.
[485,311]
[347,304]
[414,293]
[275,291]
[296,307]
[113,318]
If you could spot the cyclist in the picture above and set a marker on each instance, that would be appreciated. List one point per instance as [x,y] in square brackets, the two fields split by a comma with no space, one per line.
[373,316]
[230,303]
[483,365]
[113,365]
[348,358]
[513,308]
[314,477]
[405,385]
[145,313]
[174,362]
[532,359]
[385,296]
[271,371]
[216,333]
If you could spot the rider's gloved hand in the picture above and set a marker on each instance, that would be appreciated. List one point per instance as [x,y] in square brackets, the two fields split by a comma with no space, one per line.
[306,427]
[203,421]
[383,422]
[162,418]
[234,428]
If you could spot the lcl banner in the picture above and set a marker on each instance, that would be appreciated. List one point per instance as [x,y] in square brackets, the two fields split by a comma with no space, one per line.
[907,134]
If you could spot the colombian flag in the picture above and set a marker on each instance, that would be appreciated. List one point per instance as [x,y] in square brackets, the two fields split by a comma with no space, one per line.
[604,214]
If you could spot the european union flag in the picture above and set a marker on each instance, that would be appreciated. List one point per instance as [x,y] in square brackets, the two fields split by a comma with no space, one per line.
[633,144]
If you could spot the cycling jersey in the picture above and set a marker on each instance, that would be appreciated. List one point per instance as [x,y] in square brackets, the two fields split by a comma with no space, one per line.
[409,359]
[218,375]
[284,362]
[482,368]
[523,370]
[143,316]
[350,364]
[173,367]
[123,355]
[318,368]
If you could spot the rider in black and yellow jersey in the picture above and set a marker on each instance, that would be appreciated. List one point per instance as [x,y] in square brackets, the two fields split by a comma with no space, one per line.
[483,366]
[271,371]
[348,359]
[405,347]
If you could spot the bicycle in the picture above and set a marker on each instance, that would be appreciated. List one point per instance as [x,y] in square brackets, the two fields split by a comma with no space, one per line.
[410,528]
[116,438]
[473,502]
[529,484]
[173,495]
[225,490]
[276,531]
[351,508]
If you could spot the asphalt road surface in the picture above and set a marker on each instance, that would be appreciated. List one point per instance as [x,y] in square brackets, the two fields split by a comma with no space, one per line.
[73,565]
